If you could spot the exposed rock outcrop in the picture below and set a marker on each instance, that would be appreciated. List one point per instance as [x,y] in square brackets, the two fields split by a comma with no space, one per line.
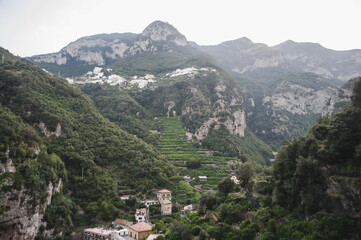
[24,219]
[48,133]
[298,99]
[161,31]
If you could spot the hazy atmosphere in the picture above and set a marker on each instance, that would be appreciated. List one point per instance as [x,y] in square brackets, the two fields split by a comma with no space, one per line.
[30,27]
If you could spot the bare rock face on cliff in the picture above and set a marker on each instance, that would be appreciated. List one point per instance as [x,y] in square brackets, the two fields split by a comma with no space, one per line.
[161,31]
[289,107]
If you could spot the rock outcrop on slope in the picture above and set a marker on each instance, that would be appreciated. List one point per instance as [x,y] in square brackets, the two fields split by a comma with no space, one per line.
[290,107]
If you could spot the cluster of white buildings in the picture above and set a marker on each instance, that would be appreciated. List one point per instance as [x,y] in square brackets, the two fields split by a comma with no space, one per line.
[189,71]
[98,76]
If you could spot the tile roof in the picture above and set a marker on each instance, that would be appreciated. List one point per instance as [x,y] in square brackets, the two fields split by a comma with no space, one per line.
[164,191]
[141,227]
[98,231]
[121,221]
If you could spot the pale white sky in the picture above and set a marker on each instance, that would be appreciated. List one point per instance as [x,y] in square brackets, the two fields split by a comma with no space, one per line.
[29,27]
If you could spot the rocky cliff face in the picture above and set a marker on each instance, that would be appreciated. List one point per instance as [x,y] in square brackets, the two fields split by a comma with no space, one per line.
[24,216]
[297,99]
[339,99]
[230,114]
[345,195]
[24,220]
[290,107]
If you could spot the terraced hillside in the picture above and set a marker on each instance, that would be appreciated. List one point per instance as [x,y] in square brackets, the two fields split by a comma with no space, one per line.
[174,145]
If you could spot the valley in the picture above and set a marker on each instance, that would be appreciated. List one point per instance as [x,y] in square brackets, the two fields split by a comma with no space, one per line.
[233,141]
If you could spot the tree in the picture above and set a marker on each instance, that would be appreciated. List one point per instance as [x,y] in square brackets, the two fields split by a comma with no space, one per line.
[245,173]
[226,186]
[193,163]
[208,200]
[356,97]
[179,231]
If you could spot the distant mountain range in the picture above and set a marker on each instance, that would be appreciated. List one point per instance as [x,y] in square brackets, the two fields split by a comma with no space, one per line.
[257,60]
[285,87]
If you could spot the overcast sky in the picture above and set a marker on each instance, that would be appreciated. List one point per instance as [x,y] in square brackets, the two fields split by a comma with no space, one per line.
[29,27]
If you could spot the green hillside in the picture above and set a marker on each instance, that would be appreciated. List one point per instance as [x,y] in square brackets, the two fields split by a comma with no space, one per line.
[99,158]
[190,160]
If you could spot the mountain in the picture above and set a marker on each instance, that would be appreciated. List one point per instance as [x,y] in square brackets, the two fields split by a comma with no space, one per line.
[62,162]
[259,61]
[288,86]
[179,80]
[160,49]
[84,54]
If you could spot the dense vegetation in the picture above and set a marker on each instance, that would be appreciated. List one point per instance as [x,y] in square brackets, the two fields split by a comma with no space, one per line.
[248,148]
[99,158]
[119,107]
[311,192]
[329,152]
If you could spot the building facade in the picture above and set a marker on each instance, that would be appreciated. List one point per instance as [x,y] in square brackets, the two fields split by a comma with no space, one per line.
[139,231]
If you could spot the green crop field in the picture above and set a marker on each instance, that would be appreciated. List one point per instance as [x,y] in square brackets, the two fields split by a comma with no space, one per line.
[177,149]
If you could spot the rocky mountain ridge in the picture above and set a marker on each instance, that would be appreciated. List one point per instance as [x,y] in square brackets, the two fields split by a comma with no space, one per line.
[266,63]
[105,49]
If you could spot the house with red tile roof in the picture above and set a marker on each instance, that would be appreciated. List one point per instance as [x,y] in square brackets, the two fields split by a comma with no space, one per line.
[139,231]
[164,197]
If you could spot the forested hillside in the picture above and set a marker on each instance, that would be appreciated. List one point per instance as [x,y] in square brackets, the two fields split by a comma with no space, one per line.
[46,120]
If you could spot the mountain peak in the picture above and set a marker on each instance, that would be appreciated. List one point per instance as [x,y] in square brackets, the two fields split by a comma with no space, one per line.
[162,31]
